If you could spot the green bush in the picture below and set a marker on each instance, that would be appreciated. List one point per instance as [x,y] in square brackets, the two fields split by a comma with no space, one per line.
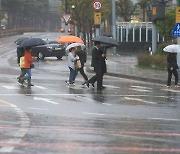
[157,61]
[145,60]
[161,47]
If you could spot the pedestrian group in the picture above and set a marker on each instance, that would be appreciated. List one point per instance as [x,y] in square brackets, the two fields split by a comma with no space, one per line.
[98,63]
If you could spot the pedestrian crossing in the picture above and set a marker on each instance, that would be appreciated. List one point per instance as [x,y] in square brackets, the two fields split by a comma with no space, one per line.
[135,88]
[149,96]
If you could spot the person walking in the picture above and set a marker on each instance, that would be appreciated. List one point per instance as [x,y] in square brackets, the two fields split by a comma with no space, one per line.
[72,58]
[20,61]
[98,63]
[26,61]
[83,57]
[172,69]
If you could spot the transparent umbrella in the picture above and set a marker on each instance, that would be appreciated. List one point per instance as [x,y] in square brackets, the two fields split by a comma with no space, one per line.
[173,48]
[75,45]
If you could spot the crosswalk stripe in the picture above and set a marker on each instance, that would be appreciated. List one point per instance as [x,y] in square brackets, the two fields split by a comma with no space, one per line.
[141,87]
[171,90]
[140,90]
[13,86]
[138,99]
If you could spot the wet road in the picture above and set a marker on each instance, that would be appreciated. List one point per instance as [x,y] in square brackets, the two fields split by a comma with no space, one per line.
[126,117]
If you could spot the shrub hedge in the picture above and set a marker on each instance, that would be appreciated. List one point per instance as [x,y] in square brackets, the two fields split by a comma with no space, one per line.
[157,61]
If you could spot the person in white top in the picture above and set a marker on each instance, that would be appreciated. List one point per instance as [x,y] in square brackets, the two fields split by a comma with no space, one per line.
[72,58]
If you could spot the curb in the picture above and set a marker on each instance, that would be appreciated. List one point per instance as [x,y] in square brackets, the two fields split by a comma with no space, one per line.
[131,77]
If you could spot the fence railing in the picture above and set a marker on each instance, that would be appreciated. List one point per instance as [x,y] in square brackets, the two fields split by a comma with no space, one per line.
[6,33]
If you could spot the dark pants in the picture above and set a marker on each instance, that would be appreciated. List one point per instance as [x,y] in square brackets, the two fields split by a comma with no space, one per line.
[23,73]
[81,70]
[97,77]
[170,72]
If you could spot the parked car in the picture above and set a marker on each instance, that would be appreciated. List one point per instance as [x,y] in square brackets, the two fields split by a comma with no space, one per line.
[49,50]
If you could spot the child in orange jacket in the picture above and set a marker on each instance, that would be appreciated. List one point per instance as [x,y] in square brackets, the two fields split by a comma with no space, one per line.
[25,63]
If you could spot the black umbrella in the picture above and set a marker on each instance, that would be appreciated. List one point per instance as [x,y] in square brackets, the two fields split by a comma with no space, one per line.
[20,40]
[106,40]
[32,42]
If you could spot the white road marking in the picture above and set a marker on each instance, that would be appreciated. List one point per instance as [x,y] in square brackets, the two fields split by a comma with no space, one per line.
[40,87]
[164,119]
[37,109]
[171,90]
[140,100]
[45,99]
[25,123]
[111,86]
[10,87]
[95,114]
[141,87]
[140,90]
[106,104]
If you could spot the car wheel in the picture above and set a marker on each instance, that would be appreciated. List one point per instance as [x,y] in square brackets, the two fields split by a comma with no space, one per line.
[40,56]
[59,57]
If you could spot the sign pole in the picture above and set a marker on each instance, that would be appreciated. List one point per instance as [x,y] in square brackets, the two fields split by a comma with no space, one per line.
[178,21]
[97,16]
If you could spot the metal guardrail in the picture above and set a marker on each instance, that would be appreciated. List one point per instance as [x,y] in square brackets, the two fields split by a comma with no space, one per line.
[6,33]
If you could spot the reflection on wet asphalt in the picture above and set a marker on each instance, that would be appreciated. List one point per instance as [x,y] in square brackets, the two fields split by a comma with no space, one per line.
[127,117]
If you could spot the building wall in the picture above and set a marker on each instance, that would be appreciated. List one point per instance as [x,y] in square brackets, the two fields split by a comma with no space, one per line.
[54,15]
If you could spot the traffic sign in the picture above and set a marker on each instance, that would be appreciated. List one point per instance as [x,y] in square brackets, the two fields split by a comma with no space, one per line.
[177,14]
[97,5]
[66,18]
[176,30]
[97,18]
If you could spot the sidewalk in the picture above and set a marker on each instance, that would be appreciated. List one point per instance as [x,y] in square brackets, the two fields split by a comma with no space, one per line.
[124,66]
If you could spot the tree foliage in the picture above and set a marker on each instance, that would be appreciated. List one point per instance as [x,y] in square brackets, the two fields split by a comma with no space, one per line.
[23,13]
[144,4]
[165,26]
[82,14]
[125,9]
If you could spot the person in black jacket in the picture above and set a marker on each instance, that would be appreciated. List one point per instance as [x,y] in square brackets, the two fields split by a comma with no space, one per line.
[83,57]
[172,68]
[98,62]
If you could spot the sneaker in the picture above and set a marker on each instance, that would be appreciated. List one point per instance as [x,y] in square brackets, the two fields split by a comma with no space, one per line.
[177,86]
[20,81]
[67,82]
[86,83]
[72,84]
[168,86]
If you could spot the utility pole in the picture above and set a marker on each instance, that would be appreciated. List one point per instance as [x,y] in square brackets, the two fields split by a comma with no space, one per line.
[66,11]
[114,22]
[114,19]
[158,12]
[0,12]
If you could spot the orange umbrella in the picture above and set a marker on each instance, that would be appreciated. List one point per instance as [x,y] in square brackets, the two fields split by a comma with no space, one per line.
[70,39]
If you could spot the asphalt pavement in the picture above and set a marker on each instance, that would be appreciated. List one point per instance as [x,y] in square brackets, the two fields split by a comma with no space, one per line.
[125,66]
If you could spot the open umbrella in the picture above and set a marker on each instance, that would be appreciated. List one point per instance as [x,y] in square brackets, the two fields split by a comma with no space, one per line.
[32,42]
[75,45]
[173,48]
[106,40]
[69,39]
[20,40]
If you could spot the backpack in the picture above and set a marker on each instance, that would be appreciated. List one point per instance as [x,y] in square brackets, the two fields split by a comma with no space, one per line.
[22,62]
